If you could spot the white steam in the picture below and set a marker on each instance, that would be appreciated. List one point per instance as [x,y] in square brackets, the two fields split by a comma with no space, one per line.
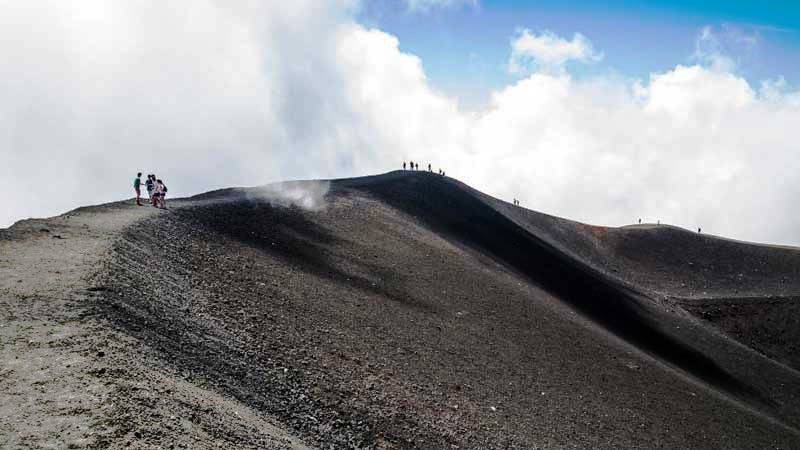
[308,195]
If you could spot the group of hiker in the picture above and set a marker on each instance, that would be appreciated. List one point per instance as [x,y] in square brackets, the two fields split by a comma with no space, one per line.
[156,190]
[699,230]
[415,166]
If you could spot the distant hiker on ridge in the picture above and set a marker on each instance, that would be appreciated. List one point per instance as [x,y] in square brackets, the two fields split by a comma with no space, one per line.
[411,164]
[640,221]
[137,184]
[416,167]
[699,230]
[429,168]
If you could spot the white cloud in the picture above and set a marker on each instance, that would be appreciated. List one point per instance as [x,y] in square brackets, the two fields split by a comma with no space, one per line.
[548,51]
[714,47]
[708,50]
[428,5]
[691,146]
[698,94]
[209,94]
[206,94]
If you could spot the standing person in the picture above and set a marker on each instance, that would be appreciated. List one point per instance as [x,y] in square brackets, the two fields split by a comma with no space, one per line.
[137,185]
[154,199]
[429,168]
[161,188]
[417,166]
[150,185]
[164,195]
[404,165]
[411,164]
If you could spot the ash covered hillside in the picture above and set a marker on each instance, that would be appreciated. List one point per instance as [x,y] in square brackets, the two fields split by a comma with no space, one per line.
[407,310]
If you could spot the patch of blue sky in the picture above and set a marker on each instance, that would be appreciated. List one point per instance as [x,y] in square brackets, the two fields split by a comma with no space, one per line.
[465,50]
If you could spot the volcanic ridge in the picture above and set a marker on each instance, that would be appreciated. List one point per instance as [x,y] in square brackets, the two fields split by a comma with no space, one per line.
[398,311]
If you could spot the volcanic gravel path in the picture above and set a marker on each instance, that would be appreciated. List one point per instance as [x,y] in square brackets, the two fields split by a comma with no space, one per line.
[70,380]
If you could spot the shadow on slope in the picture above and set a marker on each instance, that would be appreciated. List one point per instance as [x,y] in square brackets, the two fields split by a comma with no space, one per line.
[453,210]
[289,235]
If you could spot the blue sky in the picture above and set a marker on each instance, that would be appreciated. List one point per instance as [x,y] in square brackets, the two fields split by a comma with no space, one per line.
[465,48]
